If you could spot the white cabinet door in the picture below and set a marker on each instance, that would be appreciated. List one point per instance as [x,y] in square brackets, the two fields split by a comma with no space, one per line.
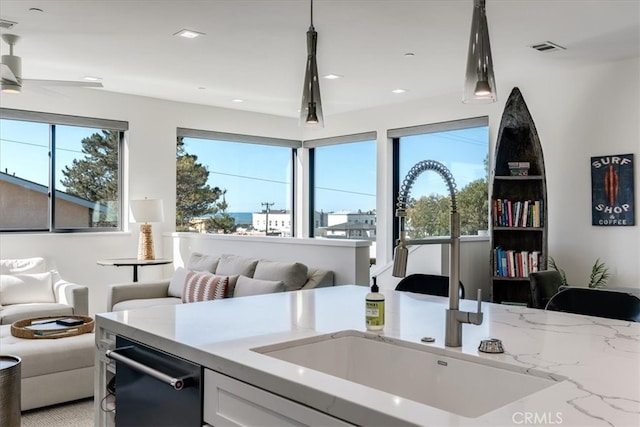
[229,402]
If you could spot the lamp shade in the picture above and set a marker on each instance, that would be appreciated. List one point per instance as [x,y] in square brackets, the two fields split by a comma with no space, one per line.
[147,210]
[311,108]
[480,83]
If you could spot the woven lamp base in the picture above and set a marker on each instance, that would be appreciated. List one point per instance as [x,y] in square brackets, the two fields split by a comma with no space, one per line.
[145,243]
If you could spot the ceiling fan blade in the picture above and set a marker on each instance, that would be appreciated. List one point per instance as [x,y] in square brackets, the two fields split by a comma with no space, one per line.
[67,83]
[7,74]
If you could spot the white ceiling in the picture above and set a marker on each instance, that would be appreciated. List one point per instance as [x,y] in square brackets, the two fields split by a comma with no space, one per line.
[256,49]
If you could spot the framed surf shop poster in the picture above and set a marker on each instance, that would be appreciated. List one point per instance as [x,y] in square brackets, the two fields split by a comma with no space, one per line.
[612,190]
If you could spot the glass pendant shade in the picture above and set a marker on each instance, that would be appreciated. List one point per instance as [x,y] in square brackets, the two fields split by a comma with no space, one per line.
[311,107]
[480,83]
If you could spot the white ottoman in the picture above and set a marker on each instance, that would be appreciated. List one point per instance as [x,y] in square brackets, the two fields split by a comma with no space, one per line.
[53,370]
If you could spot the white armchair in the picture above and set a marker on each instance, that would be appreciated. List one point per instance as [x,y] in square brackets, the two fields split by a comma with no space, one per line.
[28,289]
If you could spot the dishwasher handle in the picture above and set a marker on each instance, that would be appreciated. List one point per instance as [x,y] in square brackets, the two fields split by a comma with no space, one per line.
[176,383]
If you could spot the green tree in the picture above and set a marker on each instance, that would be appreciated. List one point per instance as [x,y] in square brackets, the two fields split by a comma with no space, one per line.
[194,197]
[431,215]
[428,216]
[473,205]
[95,176]
[222,220]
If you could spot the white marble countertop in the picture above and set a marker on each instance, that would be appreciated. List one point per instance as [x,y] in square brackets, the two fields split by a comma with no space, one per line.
[599,357]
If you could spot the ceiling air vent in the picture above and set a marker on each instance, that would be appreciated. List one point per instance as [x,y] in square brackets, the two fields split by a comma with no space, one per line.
[547,46]
[7,25]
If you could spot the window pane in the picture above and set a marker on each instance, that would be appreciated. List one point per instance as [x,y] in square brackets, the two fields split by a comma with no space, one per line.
[465,153]
[24,175]
[233,188]
[345,191]
[86,177]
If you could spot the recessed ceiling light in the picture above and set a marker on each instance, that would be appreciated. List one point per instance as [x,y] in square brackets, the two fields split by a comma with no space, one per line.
[409,54]
[7,25]
[399,90]
[92,78]
[35,9]
[238,100]
[188,34]
[333,76]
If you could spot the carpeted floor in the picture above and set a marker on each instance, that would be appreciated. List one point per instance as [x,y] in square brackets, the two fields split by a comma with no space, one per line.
[72,414]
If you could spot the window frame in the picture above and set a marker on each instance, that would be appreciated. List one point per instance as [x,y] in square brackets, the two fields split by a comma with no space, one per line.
[395,135]
[52,120]
[258,140]
[311,145]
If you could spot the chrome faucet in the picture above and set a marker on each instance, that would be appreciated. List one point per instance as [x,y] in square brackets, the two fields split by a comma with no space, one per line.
[454,317]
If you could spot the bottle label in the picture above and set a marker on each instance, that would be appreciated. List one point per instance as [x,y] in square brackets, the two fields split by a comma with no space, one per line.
[375,313]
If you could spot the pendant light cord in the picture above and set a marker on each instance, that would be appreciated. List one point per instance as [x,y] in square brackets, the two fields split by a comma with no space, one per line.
[311,14]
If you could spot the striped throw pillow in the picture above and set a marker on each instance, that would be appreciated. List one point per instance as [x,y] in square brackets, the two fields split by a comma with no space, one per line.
[203,286]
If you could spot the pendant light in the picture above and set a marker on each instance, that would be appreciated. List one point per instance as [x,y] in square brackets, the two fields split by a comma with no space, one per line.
[311,108]
[480,84]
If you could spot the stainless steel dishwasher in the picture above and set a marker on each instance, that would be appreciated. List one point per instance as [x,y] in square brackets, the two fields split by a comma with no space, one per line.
[154,388]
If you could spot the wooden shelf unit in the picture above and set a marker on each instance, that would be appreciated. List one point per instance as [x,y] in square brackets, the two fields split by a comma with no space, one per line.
[517,142]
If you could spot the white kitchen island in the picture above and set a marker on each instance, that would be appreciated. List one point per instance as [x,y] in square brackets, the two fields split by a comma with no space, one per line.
[595,361]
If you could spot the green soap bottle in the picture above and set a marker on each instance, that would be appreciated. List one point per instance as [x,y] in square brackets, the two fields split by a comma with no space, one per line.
[375,308]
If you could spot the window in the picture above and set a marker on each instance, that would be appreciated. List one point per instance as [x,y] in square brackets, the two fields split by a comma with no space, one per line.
[463,147]
[76,159]
[343,187]
[234,184]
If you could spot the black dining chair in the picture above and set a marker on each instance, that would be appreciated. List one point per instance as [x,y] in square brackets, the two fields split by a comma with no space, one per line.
[430,284]
[597,302]
[544,284]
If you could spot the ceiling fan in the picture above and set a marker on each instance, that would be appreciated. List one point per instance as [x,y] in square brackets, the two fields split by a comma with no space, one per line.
[11,72]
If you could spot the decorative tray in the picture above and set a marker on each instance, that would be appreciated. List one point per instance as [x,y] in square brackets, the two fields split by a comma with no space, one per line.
[52,326]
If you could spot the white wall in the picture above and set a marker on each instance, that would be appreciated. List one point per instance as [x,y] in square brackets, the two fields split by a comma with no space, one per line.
[588,112]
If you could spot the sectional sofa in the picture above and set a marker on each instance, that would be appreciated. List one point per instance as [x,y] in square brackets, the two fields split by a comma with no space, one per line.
[208,276]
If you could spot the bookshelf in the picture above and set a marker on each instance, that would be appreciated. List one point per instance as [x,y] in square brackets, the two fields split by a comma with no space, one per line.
[519,224]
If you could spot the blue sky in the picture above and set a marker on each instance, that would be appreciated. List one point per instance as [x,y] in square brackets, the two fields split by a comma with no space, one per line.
[345,173]
[24,148]
[254,174]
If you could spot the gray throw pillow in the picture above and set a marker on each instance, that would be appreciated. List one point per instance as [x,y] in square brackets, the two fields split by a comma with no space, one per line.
[236,264]
[292,274]
[246,286]
[202,262]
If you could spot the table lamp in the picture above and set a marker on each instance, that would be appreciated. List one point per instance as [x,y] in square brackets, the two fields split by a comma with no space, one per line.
[144,212]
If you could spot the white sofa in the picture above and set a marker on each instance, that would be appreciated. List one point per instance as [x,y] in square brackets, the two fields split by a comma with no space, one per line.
[52,370]
[245,276]
[28,289]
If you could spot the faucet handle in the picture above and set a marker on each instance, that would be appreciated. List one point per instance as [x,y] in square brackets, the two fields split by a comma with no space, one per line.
[476,318]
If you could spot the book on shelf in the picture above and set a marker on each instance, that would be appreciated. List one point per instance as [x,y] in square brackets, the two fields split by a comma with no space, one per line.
[516,165]
[520,213]
[518,168]
[516,264]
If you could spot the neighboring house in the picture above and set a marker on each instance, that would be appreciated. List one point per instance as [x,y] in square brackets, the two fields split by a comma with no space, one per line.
[279,222]
[25,204]
[350,225]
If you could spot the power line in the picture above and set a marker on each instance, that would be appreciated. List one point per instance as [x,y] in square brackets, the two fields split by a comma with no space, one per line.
[285,182]
[31,144]
[249,177]
[345,191]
